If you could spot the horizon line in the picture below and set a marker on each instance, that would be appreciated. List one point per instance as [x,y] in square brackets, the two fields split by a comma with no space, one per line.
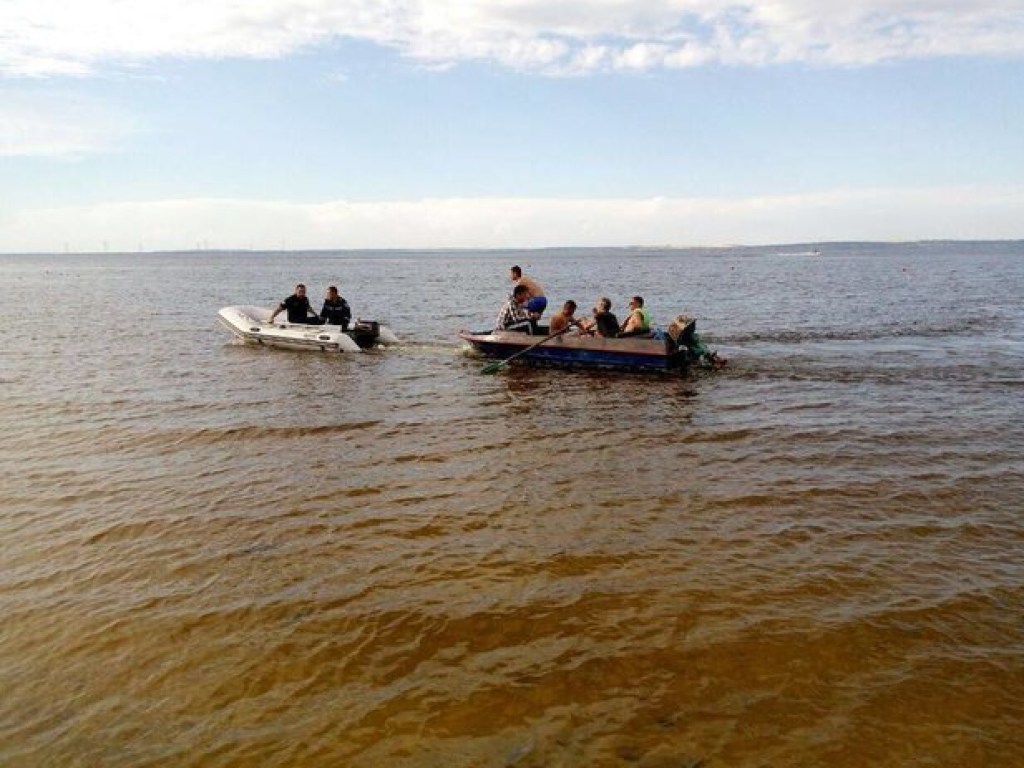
[521,249]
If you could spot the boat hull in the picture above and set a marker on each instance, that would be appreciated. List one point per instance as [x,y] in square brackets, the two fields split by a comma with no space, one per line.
[250,325]
[574,351]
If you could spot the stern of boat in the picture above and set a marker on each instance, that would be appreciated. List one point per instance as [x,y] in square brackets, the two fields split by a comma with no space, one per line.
[365,333]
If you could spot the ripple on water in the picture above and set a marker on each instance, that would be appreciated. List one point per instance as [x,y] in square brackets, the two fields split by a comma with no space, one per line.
[215,555]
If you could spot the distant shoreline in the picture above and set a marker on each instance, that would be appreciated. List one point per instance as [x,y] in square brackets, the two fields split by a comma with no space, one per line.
[811,248]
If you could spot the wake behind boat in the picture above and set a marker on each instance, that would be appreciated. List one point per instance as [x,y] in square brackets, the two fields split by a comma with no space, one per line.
[251,325]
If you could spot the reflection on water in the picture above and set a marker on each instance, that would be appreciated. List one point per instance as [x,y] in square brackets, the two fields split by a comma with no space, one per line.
[221,555]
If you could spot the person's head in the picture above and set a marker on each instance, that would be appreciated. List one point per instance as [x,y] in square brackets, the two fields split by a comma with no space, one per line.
[636,302]
[521,294]
[516,272]
[603,304]
[300,290]
[568,308]
[332,292]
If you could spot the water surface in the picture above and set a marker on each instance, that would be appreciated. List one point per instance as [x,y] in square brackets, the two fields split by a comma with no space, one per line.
[218,555]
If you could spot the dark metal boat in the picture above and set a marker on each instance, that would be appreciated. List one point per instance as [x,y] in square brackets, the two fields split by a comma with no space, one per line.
[670,350]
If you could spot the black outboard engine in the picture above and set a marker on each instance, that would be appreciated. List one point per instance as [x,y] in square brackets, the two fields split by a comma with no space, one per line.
[688,345]
[680,334]
[365,333]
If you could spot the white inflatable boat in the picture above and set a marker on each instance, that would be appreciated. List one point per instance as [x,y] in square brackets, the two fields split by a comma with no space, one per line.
[250,324]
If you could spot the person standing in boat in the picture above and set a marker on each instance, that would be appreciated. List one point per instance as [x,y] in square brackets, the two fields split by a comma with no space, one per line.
[564,318]
[536,301]
[298,308]
[336,310]
[513,315]
[639,320]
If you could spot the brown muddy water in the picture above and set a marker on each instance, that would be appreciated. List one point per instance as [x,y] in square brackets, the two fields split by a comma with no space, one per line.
[217,555]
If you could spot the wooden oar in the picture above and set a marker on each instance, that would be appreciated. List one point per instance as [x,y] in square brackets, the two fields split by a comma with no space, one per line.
[497,365]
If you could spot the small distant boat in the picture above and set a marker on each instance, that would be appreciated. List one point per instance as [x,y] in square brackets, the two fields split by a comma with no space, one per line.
[660,351]
[251,325]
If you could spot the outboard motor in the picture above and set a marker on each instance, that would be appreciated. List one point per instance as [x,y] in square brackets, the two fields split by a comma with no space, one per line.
[680,341]
[365,333]
[683,333]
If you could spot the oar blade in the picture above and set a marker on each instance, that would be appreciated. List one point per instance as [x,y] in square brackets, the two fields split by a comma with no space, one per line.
[492,367]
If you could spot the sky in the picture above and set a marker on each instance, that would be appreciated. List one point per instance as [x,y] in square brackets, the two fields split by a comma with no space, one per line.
[335,124]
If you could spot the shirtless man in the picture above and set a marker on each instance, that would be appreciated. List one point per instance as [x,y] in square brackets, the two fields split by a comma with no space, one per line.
[537,303]
[563,318]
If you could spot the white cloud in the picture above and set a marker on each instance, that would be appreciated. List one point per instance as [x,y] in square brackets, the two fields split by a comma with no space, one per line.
[973,212]
[58,125]
[54,37]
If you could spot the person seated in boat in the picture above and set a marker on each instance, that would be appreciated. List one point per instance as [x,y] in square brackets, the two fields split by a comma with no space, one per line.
[536,301]
[564,318]
[298,308]
[639,320]
[336,310]
[513,315]
[604,322]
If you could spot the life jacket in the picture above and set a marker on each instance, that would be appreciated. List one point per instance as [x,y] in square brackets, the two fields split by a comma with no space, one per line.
[644,321]
[645,318]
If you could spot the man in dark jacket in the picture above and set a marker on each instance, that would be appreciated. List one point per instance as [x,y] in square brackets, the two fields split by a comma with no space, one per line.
[336,310]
